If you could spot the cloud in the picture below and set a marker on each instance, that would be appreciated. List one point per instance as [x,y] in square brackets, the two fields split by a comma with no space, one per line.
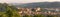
[25,1]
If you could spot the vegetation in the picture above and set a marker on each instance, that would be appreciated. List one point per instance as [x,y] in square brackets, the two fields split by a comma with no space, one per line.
[10,11]
[39,15]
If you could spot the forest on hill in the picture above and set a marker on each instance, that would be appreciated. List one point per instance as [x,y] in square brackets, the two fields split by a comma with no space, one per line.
[40,4]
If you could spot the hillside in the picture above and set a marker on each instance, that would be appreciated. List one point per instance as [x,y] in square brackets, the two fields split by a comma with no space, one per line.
[40,4]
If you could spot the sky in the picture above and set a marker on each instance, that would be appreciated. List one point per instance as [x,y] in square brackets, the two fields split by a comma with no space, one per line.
[26,1]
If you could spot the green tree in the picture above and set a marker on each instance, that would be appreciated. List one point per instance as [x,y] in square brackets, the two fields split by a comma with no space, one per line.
[27,15]
[2,14]
[9,12]
[12,13]
[49,16]
[39,15]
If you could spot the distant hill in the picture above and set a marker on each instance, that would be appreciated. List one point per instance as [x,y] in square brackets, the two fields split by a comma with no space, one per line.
[41,4]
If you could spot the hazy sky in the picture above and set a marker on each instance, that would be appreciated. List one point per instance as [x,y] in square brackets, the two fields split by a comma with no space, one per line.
[25,1]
